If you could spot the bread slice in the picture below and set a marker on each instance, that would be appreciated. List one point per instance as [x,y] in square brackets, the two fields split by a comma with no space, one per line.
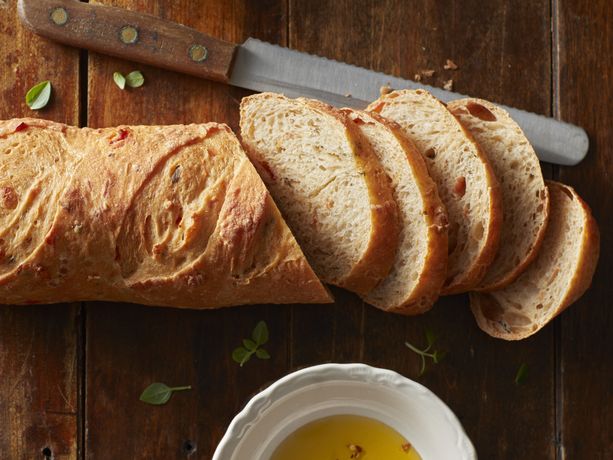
[560,274]
[466,182]
[420,265]
[524,194]
[328,184]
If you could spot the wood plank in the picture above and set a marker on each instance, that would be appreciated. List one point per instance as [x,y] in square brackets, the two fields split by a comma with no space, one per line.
[38,345]
[129,346]
[487,40]
[169,97]
[583,78]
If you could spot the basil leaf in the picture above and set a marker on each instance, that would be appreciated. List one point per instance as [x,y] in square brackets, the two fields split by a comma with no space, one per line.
[38,96]
[260,333]
[249,344]
[240,355]
[520,377]
[135,79]
[159,393]
[262,354]
[119,80]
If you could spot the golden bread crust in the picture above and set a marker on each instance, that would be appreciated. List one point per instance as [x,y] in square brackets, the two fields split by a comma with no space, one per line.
[156,215]
[432,276]
[464,273]
[525,306]
[482,115]
[377,259]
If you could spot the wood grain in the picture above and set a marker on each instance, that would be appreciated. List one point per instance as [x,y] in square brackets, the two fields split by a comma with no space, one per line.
[168,97]
[583,79]
[487,40]
[38,345]
[28,59]
[504,52]
[129,347]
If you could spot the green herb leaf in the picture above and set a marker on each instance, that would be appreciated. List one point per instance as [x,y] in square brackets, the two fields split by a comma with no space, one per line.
[38,96]
[260,333]
[436,356]
[262,354]
[159,393]
[119,80]
[241,355]
[250,344]
[520,377]
[135,79]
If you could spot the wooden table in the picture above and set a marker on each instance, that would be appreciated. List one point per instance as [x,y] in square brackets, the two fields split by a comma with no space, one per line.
[70,375]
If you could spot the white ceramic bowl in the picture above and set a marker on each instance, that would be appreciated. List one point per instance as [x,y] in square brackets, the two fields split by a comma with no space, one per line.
[331,389]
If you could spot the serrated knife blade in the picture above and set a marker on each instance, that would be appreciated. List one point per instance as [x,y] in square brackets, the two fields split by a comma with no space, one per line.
[261,66]
[256,65]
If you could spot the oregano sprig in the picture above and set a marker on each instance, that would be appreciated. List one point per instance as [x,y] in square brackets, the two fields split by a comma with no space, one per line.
[159,393]
[436,356]
[252,346]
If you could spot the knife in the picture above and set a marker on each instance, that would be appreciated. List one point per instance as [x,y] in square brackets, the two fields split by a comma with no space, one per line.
[256,65]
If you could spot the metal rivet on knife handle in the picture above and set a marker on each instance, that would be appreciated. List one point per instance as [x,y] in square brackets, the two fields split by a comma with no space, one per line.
[59,16]
[198,53]
[128,35]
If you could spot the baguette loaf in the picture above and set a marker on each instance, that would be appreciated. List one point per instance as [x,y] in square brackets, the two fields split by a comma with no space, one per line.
[465,180]
[328,184]
[524,194]
[156,215]
[420,266]
[560,274]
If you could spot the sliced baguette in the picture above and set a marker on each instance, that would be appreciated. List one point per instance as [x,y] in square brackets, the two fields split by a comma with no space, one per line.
[525,197]
[420,265]
[560,274]
[466,182]
[328,184]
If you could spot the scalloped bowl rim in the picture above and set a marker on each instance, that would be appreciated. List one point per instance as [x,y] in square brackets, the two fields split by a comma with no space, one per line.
[367,377]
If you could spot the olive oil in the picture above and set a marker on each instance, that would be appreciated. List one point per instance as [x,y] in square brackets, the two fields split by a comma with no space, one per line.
[345,437]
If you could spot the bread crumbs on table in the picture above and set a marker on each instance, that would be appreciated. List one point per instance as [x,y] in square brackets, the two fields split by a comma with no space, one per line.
[424,74]
[450,65]
[448,85]
[385,89]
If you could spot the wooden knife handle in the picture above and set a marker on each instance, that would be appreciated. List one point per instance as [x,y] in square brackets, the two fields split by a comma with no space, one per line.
[130,35]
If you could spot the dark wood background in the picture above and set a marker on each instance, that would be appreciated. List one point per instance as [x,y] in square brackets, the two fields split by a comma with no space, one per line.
[70,375]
